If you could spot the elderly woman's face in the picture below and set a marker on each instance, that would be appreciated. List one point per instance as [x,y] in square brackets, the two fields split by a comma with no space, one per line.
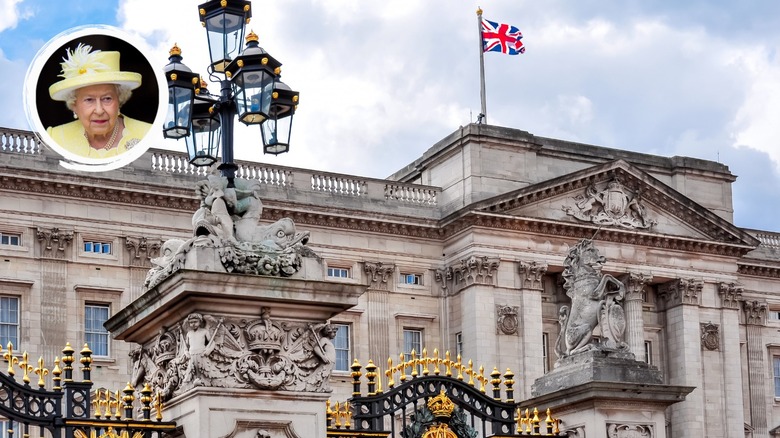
[97,107]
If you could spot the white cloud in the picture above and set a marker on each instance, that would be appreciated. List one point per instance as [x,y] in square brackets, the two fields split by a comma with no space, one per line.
[757,122]
[10,15]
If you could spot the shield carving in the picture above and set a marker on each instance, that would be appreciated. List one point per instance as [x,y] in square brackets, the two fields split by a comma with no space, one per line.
[616,201]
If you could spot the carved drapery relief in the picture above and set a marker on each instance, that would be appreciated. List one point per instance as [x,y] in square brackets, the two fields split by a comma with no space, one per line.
[141,250]
[680,291]
[596,300]
[54,242]
[635,284]
[610,204]
[208,351]
[710,337]
[531,274]
[378,274]
[506,319]
[468,271]
[755,312]
[618,430]
[730,295]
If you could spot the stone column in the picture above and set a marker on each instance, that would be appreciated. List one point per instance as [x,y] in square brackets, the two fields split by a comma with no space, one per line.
[681,300]
[635,323]
[531,274]
[54,249]
[729,345]
[378,275]
[755,320]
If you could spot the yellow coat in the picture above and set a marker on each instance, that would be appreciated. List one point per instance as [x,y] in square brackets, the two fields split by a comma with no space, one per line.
[70,137]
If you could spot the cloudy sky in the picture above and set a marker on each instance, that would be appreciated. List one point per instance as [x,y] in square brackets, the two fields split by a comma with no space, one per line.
[381,82]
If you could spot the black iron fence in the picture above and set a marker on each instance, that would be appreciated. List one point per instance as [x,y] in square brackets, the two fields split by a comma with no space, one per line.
[71,408]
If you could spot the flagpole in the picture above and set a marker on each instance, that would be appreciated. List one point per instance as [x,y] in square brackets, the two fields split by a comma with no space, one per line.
[482,117]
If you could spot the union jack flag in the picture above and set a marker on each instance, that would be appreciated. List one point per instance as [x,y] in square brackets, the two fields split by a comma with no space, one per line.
[498,37]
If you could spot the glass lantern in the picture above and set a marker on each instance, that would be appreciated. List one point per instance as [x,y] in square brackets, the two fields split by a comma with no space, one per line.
[181,90]
[252,74]
[225,21]
[277,128]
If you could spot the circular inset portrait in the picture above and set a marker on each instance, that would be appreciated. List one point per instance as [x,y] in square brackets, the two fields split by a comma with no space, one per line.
[94,98]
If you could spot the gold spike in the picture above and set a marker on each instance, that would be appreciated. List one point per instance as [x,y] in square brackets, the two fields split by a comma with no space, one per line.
[11,359]
[448,363]
[389,373]
[41,372]
[481,378]
[26,368]
[379,382]
[96,405]
[436,362]
[158,406]
[338,416]
[347,415]
[402,367]
[470,372]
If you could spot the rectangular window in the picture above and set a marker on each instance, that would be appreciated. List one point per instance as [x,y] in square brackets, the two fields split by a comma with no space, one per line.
[411,279]
[97,247]
[649,352]
[95,335]
[338,272]
[774,315]
[342,345]
[9,321]
[458,345]
[412,342]
[545,352]
[777,375]
[10,239]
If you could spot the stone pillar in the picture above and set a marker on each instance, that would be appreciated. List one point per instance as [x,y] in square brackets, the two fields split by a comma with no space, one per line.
[729,346]
[139,252]
[472,279]
[635,323]
[378,275]
[531,274]
[755,320]
[54,248]
[681,300]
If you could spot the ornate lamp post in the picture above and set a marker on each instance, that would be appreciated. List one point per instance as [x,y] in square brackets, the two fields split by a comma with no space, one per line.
[249,88]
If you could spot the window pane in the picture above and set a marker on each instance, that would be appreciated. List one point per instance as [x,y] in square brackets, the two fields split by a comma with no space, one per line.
[9,321]
[341,343]
[94,333]
[106,248]
[777,376]
[87,246]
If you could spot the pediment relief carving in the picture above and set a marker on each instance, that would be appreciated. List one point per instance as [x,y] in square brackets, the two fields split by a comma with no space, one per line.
[621,197]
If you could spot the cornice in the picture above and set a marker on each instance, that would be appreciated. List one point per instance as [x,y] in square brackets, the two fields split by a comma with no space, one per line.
[102,191]
[185,200]
[753,268]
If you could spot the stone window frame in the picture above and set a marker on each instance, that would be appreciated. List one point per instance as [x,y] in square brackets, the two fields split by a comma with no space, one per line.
[546,353]
[422,274]
[113,241]
[107,334]
[773,351]
[99,295]
[24,239]
[334,269]
[22,290]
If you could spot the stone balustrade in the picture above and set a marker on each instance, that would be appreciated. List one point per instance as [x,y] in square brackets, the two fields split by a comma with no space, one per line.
[767,238]
[283,182]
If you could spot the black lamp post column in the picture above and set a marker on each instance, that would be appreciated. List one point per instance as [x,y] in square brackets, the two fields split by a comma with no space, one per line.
[227,114]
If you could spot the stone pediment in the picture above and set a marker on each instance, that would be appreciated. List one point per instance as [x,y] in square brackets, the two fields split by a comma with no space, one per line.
[620,197]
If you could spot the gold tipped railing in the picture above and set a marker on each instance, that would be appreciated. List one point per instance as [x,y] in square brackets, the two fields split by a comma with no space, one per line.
[341,415]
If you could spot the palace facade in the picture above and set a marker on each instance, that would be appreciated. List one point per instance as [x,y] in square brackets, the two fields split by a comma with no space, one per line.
[462,252]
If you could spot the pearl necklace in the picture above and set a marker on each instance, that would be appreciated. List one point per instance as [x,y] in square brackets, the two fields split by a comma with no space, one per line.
[110,144]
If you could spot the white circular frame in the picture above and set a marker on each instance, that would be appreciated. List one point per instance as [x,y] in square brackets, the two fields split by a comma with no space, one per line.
[71,160]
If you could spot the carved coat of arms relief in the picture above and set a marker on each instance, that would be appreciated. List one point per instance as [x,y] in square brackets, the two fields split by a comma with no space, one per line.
[610,204]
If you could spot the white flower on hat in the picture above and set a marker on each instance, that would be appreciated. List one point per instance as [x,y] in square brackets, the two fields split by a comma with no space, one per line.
[81,60]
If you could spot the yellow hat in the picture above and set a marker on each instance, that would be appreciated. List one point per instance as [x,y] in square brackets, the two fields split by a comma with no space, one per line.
[83,67]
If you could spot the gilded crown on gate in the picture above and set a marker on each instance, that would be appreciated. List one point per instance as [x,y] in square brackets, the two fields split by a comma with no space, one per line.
[441,406]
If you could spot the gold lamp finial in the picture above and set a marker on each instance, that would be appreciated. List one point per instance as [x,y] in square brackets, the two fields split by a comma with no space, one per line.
[175,50]
[252,36]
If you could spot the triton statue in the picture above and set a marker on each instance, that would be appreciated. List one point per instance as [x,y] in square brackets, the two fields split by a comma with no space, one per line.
[595,301]
[228,221]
